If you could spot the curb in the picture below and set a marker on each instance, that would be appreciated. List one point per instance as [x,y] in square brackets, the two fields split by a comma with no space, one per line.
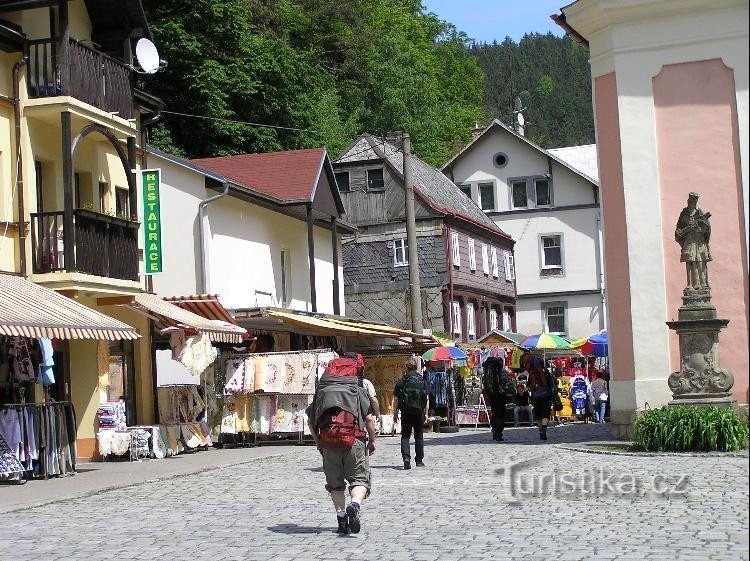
[116,486]
[588,450]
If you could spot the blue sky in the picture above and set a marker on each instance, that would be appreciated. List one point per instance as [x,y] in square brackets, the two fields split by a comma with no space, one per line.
[486,20]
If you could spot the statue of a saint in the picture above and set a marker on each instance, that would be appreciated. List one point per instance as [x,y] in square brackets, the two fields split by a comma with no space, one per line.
[693,232]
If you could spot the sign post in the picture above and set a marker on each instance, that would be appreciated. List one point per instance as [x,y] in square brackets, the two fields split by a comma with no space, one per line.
[152,243]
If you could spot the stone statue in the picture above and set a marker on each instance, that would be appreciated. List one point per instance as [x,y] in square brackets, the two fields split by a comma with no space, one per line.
[693,232]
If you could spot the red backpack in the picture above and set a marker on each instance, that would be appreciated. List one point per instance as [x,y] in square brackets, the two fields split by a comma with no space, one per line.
[338,428]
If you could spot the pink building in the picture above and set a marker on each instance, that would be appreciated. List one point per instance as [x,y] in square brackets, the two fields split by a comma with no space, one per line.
[670,85]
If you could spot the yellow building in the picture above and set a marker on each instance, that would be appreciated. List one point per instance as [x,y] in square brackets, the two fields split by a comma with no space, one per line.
[70,208]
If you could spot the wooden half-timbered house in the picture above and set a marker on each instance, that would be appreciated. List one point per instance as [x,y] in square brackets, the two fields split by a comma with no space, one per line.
[466,265]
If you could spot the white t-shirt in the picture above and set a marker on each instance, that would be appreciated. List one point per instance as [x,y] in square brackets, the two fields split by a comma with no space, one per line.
[369,387]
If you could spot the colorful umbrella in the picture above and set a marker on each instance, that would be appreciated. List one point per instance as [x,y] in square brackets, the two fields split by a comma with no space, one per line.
[544,341]
[444,353]
[596,345]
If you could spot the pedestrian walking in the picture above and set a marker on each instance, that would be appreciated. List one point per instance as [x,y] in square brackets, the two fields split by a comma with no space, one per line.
[497,387]
[341,421]
[372,394]
[541,387]
[410,399]
[600,393]
[522,401]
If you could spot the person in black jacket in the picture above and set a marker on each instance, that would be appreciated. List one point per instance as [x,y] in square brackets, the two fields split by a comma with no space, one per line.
[496,386]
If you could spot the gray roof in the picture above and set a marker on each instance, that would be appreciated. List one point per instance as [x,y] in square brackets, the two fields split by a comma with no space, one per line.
[582,158]
[430,184]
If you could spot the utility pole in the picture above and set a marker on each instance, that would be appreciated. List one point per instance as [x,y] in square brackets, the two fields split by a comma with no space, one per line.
[415,294]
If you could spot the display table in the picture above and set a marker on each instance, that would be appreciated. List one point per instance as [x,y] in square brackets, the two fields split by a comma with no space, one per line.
[471,415]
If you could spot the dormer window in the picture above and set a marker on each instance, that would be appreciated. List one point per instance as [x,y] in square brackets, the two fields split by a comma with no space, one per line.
[375,181]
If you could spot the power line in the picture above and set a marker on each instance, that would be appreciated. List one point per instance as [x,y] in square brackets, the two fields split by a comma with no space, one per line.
[238,122]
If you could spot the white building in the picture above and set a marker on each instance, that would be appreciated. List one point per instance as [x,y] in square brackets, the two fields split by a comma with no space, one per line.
[548,201]
[271,224]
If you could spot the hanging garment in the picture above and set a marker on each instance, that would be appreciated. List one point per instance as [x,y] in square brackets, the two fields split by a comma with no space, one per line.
[158,445]
[198,354]
[228,419]
[23,369]
[263,411]
[243,413]
[102,364]
[309,372]
[32,451]
[442,389]
[46,366]
[235,373]
[177,341]
[10,428]
[260,365]
[323,360]
[173,439]
[275,373]
[290,413]
[292,383]
[189,437]
[484,354]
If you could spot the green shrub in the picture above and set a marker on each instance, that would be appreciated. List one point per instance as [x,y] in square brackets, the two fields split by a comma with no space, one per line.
[685,428]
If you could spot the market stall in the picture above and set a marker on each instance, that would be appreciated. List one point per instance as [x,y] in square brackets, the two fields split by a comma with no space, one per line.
[37,430]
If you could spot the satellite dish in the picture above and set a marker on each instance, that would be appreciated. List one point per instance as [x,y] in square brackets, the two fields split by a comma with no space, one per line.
[520,118]
[147,56]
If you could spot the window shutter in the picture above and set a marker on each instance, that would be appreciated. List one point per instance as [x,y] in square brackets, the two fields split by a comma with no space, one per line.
[456,317]
[495,272]
[485,260]
[470,323]
[455,249]
[472,256]
[509,265]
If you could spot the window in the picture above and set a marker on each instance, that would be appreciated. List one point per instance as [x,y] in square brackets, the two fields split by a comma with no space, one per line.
[520,199]
[456,317]
[551,252]
[555,318]
[375,180]
[455,249]
[495,272]
[485,260]
[400,253]
[122,205]
[471,329]
[500,160]
[342,180]
[543,192]
[472,256]
[286,276]
[487,196]
[466,190]
[493,319]
[510,266]
[506,320]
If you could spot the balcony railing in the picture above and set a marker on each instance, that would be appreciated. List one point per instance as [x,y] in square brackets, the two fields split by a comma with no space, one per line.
[104,245]
[88,75]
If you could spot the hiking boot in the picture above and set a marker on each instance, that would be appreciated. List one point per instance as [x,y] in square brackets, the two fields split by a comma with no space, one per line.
[352,515]
[407,464]
[343,525]
[420,463]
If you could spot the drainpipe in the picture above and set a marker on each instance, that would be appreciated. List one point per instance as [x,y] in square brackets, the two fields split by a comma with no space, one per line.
[449,254]
[204,257]
[600,258]
[19,169]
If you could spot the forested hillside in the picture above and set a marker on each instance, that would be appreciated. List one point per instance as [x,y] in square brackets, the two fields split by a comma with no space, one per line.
[328,70]
[551,76]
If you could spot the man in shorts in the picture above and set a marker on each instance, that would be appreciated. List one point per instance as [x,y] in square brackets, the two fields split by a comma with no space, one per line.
[343,462]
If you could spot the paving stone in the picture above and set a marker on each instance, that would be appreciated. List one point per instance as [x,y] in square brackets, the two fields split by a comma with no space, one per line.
[276,508]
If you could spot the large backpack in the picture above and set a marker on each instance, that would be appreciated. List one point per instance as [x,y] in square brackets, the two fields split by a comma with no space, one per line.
[338,429]
[412,396]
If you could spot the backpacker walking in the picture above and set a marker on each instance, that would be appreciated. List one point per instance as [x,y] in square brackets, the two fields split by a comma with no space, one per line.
[340,420]
[498,388]
[410,399]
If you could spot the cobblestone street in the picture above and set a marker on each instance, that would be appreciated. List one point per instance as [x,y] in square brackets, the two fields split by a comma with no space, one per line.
[460,507]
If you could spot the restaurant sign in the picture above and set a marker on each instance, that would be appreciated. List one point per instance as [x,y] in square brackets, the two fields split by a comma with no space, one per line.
[151,179]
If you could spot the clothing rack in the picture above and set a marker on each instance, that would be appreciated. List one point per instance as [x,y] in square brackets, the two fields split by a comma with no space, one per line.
[230,356]
[44,467]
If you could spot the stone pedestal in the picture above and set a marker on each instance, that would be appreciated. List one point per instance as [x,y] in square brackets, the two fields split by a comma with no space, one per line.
[701,381]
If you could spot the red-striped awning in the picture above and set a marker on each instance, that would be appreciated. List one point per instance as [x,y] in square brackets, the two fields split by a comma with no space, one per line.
[206,305]
[31,310]
[168,315]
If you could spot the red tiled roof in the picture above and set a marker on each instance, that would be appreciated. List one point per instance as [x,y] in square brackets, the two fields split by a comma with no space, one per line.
[288,176]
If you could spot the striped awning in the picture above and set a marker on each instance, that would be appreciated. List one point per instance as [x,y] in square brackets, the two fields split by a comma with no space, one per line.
[206,305]
[31,310]
[168,315]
